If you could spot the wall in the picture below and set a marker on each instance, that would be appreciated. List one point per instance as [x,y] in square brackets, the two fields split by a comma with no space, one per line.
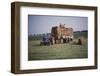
[5,33]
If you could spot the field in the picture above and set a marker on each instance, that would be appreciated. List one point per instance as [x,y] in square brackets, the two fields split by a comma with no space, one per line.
[56,51]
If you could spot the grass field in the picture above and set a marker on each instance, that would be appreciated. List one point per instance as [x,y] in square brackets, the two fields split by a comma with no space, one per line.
[56,51]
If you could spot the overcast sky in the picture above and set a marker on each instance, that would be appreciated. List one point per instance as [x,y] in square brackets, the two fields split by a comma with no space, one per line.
[39,24]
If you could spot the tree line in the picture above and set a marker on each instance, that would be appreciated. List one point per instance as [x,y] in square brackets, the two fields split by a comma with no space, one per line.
[77,34]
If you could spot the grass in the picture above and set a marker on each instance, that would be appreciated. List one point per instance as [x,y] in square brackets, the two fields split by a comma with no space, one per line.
[56,51]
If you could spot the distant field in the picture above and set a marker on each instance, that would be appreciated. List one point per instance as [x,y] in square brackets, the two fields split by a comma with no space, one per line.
[56,51]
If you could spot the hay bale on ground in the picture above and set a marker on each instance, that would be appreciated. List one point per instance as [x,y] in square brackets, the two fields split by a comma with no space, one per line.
[81,41]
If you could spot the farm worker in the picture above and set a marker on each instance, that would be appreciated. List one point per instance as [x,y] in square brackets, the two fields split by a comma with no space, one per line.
[53,40]
[50,39]
[64,38]
[71,37]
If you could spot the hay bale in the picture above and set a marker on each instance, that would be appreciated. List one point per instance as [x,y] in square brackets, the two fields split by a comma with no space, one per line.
[81,40]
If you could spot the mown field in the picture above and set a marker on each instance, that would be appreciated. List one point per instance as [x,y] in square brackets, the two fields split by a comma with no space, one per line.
[56,51]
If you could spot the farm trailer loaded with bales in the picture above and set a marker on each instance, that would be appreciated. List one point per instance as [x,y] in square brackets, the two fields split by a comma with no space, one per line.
[59,34]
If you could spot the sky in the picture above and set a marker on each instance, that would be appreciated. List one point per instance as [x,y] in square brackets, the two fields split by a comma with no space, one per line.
[39,24]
